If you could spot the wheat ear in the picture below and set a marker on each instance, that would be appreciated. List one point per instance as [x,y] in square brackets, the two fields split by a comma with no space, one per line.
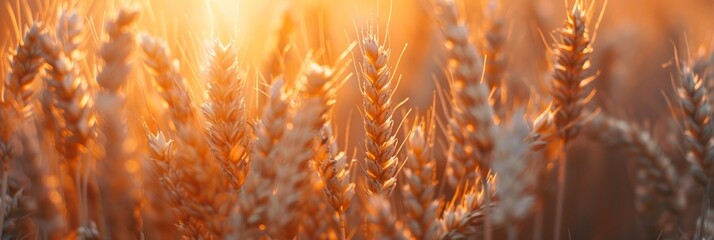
[571,65]
[252,210]
[68,87]
[227,129]
[466,218]
[420,184]
[571,62]
[656,179]
[16,96]
[335,171]
[471,128]
[492,44]
[383,222]
[25,64]
[70,96]
[161,154]
[296,151]
[696,115]
[381,160]
[118,55]
[204,195]
[516,174]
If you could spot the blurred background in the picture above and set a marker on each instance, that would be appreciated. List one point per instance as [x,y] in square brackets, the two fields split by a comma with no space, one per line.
[634,53]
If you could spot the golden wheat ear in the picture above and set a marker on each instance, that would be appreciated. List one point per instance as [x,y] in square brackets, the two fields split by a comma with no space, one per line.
[381,162]
[25,64]
[227,127]
[251,216]
[571,72]
[656,179]
[516,173]
[492,43]
[696,109]
[471,126]
[203,196]
[465,216]
[383,222]
[69,96]
[117,52]
[420,184]
[335,171]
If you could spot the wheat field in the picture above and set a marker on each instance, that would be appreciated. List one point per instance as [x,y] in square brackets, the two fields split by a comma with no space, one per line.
[378,119]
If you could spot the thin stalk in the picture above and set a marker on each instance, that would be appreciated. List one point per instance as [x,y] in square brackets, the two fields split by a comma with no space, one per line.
[705,206]
[512,232]
[342,226]
[3,200]
[538,224]
[561,191]
[487,210]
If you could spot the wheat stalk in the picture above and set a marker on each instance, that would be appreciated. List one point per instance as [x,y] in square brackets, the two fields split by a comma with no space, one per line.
[227,126]
[10,147]
[420,184]
[380,143]
[118,55]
